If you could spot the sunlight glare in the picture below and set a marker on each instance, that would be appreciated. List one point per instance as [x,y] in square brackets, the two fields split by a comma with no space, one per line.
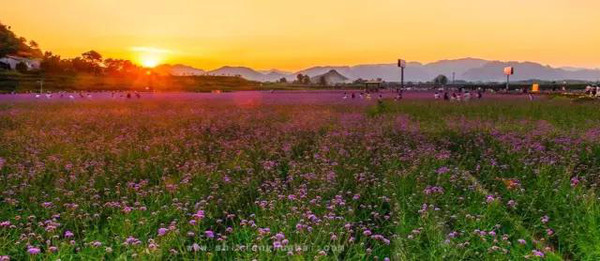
[150,57]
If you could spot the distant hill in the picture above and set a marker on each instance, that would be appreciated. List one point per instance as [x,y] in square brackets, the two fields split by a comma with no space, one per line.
[244,72]
[275,75]
[332,77]
[319,70]
[527,71]
[178,70]
[465,69]
[415,71]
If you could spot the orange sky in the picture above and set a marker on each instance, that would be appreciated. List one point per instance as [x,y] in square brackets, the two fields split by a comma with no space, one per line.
[292,35]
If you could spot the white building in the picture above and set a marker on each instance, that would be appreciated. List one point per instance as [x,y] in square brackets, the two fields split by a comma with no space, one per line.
[11,61]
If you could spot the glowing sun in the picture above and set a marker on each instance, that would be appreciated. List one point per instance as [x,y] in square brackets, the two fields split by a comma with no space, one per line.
[150,57]
[149,61]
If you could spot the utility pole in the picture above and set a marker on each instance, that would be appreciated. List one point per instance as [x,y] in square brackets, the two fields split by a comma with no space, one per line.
[41,86]
[453,74]
[402,65]
[508,71]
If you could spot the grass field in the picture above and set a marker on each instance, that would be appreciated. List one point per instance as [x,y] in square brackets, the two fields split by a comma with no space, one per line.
[249,178]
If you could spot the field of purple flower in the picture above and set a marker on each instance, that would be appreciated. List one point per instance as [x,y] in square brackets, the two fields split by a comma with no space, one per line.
[298,176]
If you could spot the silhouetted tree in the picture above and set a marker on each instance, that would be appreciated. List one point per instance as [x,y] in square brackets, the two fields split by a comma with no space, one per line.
[440,80]
[359,81]
[306,79]
[9,42]
[52,63]
[299,78]
[92,56]
[283,80]
[94,60]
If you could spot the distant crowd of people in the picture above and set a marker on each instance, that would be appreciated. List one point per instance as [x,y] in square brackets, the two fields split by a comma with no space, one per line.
[592,91]
[368,95]
[459,95]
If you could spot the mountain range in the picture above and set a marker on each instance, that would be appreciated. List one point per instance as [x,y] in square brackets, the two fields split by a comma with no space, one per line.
[465,69]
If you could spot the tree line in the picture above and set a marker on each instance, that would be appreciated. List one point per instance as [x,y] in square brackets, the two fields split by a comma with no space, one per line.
[90,62]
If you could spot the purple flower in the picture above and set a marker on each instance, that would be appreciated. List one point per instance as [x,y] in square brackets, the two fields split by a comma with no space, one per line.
[538,253]
[522,241]
[279,236]
[367,232]
[199,215]
[433,190]
[33,250]
[152,246]
[545,219]
[162,231]
[196,247]
[68,234]
[574,181]
[511,203]
[442,170]
[132,241]
[209,234]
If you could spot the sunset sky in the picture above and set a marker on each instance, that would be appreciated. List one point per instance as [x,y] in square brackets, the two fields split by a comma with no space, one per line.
[292,35]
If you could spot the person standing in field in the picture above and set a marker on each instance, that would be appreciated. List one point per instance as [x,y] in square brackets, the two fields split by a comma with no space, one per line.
[467,96]
[398,96]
